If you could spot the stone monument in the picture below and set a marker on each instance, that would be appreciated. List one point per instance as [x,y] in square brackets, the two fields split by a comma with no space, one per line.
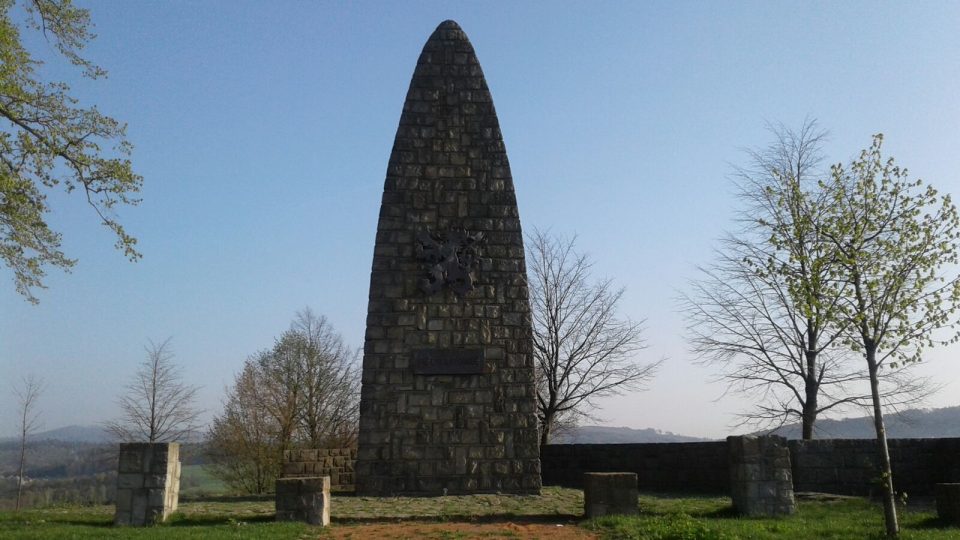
[448,398]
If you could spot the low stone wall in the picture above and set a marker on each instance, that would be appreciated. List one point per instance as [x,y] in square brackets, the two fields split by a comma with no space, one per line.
[336,463]
[840,466]
[849,466]
[665,467]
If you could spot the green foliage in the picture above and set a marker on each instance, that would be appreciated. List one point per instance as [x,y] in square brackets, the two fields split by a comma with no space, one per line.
[893,237]
[769,310]
[48,141]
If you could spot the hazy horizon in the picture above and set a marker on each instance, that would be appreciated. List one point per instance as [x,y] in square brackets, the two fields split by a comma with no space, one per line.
[263,131]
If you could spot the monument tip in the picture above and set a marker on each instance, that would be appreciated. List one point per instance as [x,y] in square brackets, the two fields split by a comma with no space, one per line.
[449,24]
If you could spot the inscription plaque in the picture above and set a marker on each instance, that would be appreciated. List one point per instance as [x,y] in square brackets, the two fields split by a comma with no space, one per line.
[448,361]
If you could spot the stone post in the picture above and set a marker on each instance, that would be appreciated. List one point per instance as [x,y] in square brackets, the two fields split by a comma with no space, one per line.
[948,503]
[761,483]
[304,499]
[609,493]
[148,483]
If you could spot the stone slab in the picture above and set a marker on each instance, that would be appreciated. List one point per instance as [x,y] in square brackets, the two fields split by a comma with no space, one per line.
[948,502]
[607,493]
[304,499]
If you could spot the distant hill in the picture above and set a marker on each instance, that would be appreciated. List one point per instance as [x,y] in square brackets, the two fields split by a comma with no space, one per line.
[92,434]
[613,435]
[911,424]
[82,434]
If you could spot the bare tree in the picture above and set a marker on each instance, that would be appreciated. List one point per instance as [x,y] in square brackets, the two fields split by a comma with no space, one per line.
[303,392]
[766,311]
[242,440]
[158,405]
[28,392]
[329,414]
[582,350]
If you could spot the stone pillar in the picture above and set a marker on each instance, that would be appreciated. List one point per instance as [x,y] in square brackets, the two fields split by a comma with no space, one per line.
[148,483]
[448,402]
[761,483]
[304,499]
[610,493]
[948,503]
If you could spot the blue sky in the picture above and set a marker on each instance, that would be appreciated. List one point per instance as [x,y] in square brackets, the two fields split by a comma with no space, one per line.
[263,129]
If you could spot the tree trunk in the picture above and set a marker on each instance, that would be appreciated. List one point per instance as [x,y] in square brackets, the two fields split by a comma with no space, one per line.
[545,428]
[811,389]
[23,453]
[809,416]
[889,502]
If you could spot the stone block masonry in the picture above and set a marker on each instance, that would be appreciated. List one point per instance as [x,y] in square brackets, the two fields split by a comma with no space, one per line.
[948,503]
[761,483]
[148,483]
[851,466]
[697,467]
[334,463]
[840,466]
[610,493]
[448,398]
[304,499]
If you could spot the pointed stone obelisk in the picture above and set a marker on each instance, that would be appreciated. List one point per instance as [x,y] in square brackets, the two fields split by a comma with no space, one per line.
[448,400]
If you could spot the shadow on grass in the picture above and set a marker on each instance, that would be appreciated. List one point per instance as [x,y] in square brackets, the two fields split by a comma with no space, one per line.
[464,518]
[174,521]
[932,522]
[226,498]
[727,512]
[206,521]
[83,523]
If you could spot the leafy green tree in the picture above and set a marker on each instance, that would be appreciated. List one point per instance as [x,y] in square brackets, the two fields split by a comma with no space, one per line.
[48,141]
[894,238]
[766,311]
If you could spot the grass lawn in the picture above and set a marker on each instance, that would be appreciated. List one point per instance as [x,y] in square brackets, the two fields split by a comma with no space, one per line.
[662,518]
[846,518]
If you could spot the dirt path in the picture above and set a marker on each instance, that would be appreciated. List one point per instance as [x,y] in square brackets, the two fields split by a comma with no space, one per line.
[457,531]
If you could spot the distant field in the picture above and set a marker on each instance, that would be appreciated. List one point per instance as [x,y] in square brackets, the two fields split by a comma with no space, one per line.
[196,481]
[557,515]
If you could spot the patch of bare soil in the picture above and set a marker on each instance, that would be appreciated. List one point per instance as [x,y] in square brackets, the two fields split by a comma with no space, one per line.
[457,530]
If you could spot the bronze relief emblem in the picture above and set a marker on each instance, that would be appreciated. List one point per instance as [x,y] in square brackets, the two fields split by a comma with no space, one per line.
[450,258]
